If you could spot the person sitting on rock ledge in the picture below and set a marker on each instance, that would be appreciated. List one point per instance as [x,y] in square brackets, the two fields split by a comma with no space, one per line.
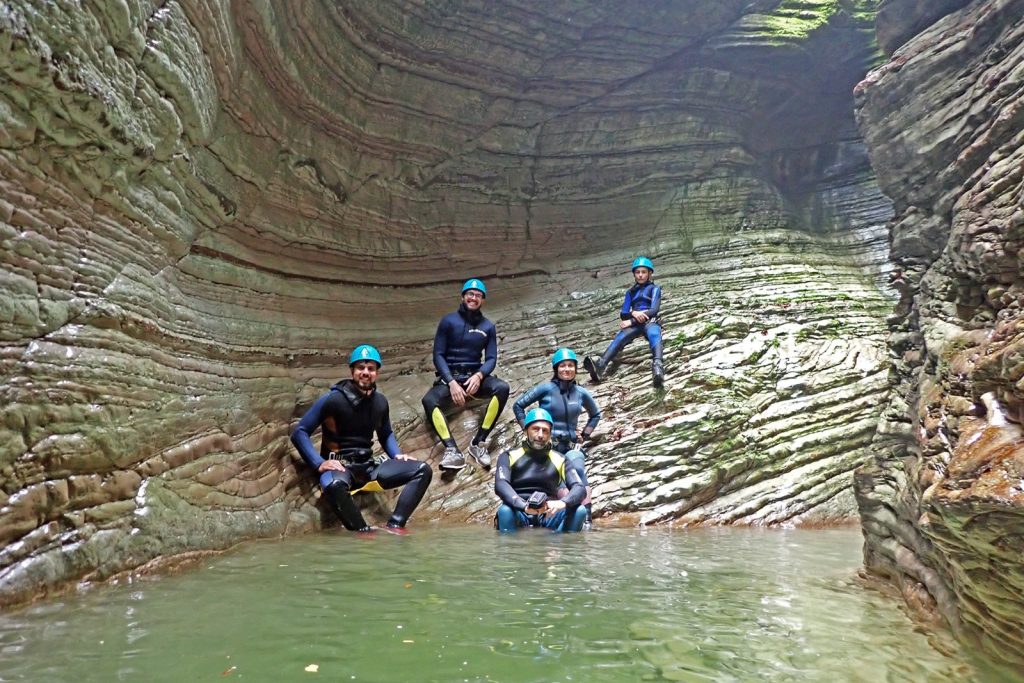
[348,415]
[462,338]
[564,400]
[639,316]
[528,478]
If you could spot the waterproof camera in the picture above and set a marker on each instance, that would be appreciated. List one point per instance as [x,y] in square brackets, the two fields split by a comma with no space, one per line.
[536,500]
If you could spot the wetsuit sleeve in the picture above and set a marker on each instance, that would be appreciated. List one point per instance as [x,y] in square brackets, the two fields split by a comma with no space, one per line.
[531,396]
[655,302]
[491,352]
[590,405]
[627,305]
[309,423]
[440,348]
[386,435]
[503,484]
[577,491]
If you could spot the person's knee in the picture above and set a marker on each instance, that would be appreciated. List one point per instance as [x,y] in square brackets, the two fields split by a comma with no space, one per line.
[332,478]
[576,520]
[502,390]
[506,519]
[423,472]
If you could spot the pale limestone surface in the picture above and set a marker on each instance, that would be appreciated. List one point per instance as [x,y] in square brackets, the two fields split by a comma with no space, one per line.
[205,204]
[942,501]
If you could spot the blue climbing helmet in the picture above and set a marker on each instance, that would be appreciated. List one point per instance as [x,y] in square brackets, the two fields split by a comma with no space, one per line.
[564,354]
[537,415]
[364,352]
[478,285]
[642,261]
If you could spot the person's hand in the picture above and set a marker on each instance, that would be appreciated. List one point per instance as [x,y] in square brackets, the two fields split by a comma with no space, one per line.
[641,316]
[473,383]
[403,456]
[457,392]
[331,465]
[537,511]
[554,505]
[580,436]
[623,324]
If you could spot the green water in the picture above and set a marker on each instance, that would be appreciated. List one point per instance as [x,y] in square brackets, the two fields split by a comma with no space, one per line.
[465,604]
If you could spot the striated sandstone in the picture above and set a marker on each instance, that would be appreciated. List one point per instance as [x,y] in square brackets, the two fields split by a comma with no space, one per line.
[205,204]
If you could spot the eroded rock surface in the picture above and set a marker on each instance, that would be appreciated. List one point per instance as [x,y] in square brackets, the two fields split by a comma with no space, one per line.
[205,205]
[943,502]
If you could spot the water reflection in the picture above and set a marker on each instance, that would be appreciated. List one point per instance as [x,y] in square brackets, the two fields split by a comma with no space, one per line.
[466,604]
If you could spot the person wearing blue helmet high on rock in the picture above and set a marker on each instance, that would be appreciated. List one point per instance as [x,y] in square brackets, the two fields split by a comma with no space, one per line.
[527,480]
[639,316]
[465,355]
[564,400]
[348,415]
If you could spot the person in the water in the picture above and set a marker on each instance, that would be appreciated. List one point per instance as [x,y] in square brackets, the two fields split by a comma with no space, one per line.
[639,316]
[527,480]
[348,415]
[564,400]
[462,338]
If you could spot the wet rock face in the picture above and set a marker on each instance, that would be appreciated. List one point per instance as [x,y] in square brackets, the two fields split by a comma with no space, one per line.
[943,502]
[205,205]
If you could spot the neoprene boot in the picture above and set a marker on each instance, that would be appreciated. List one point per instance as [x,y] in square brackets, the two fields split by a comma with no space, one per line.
[596,368]
[657,369]
[348,512]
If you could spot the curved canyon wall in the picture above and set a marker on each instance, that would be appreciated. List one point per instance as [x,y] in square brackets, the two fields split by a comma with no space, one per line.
[942,503]
[205,205]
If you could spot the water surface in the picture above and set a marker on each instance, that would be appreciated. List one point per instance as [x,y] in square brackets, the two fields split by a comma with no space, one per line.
[466,604]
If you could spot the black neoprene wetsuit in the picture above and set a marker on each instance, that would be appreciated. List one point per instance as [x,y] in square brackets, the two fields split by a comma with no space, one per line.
[524,470]
[348,419]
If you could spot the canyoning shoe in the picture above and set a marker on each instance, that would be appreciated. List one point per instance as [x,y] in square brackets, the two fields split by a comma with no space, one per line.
[595,368]
[659,375]
[366,532]
[480,454]
[396,529]
[587,525]
[453,459]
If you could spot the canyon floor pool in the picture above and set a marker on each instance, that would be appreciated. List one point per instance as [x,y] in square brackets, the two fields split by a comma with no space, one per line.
[466,604]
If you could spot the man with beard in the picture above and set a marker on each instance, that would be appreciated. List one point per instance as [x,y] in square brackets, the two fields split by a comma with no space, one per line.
[527,480]
[462,338]
[348,415]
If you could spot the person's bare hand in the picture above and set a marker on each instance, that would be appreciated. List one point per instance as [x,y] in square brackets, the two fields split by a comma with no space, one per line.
[641,316]
[537,511]
[331,465]
[403,456]
[623,324]
[555,505]
[457,392]
[473,383]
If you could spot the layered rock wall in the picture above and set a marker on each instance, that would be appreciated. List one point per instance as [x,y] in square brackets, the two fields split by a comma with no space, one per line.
[205,205]
[943,502]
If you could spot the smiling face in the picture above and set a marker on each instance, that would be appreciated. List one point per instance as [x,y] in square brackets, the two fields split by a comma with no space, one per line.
[642,275]
[566,370]
[364,374]
[473,298]
[538,434]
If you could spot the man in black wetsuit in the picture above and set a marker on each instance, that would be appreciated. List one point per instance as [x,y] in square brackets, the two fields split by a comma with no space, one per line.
[348,415]
[462,338]
[527,480]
